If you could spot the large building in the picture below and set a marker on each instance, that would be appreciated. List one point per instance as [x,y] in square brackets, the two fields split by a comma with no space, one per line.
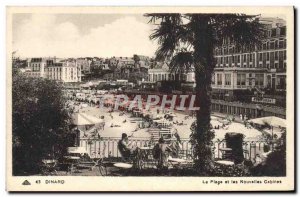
[37,67]
[54,69]
[161,72]
[64,72]
[237,70]
[263,68]
[244,81]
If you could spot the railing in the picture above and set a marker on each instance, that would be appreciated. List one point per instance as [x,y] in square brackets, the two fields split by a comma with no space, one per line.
[108,147]
[250,148]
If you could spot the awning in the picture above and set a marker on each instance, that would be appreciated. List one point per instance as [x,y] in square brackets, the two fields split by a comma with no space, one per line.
[270,120]
[84,119]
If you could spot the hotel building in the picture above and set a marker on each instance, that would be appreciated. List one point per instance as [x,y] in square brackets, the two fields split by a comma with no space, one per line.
[51,68]
[64,72]
[263,68]
[251,82]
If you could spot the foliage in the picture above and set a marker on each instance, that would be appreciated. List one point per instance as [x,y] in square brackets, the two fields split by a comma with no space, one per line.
[189,41]
[275,164]
[239,170]
[39,122]
[168,86]
[203,154]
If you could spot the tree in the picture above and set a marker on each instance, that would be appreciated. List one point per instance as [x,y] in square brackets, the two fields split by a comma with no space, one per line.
[40,122]
[189,41]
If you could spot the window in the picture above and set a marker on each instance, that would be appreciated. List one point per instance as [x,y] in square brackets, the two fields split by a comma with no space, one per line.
[272,45]
[280,55]
[281,44]
[241,79]
[276,55]
[277,31]
[259,79]
[276,44]
[268,56]
[250,57]
[260,56]
[282,31]
[219,79]
[230,60]
[264,47]
[269,33]
[227,79]
[273,32]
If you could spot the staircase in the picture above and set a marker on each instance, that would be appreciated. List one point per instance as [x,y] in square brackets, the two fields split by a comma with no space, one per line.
[156,133]
[135,120]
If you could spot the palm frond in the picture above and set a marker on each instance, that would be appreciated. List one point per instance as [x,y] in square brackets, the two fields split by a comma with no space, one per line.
[181,62]
[240,30]
[170,33]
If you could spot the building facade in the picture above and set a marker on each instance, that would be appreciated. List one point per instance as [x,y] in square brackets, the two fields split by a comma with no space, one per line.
[37,67]
[84,64]
[244,69]
[52,68]
[238,70]
[64,72]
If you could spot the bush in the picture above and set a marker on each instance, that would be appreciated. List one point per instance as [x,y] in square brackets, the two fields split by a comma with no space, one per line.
[230,171]
[40,122]
[275,164]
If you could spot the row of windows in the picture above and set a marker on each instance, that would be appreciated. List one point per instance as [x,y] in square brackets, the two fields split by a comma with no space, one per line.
[274,59]
[250,57]
[33,74]
[275,44]
[162,77]
[241,79]
[267,45]
[59,77]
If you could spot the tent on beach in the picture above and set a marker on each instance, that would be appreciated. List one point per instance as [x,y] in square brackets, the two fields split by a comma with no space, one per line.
[272,121]
[82,119]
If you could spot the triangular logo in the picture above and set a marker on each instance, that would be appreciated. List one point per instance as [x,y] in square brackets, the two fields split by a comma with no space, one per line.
[26,182]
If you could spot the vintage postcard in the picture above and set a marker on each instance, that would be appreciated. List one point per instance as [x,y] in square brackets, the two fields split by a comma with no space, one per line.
[150,99]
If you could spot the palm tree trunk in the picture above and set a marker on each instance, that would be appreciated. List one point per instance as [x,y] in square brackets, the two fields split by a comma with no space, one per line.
[204,64]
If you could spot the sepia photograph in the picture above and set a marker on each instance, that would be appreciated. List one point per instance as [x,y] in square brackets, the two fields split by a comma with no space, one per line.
[147,97]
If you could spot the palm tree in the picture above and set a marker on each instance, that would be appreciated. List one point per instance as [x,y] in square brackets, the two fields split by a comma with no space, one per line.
[189,40]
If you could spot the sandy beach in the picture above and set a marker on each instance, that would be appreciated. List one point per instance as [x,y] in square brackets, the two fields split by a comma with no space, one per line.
[131,126]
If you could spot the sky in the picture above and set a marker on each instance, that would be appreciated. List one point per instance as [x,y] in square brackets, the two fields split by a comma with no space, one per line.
[82,35]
